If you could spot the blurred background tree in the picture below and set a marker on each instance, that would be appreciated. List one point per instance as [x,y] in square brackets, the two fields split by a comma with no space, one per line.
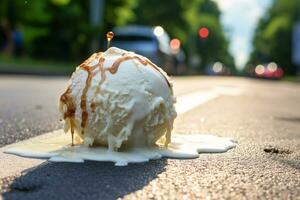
[272,41]
[183,20]
[60,29]
[214,47]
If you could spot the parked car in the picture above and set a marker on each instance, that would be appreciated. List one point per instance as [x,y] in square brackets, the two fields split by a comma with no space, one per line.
[268,71]
[151,42]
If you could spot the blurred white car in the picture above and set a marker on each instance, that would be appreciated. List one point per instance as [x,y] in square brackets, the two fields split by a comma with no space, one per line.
[151,42]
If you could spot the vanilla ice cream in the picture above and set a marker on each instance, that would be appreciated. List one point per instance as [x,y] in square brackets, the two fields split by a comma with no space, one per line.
[118,98]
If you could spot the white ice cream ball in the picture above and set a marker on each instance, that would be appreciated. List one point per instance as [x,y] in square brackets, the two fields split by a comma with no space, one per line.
[129,101]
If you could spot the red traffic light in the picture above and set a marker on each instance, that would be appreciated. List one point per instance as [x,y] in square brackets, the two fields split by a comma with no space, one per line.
[203,33]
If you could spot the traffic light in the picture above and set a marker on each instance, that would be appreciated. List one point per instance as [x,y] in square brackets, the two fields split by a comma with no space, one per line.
[203,33]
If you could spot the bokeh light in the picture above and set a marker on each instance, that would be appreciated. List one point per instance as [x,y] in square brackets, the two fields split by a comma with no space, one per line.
[217,67]
[203,32]
[272,67]
[259,69]
[175,44]
[158,31]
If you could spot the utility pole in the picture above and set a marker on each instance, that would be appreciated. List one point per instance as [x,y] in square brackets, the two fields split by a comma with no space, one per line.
[96,19]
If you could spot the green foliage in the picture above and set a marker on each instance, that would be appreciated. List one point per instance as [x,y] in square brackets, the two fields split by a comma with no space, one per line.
[165,13]
[60,2]
[182,19]
[215,47]
[61,29]
[119,12]
[273,38]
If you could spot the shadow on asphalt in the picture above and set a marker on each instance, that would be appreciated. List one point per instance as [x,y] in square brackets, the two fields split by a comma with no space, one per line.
[89,180]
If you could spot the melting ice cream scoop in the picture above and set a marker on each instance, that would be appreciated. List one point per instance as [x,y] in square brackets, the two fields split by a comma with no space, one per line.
[115,99]
[118,98]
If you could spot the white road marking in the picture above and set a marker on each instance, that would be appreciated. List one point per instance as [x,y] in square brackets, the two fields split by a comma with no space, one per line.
[13,165]
[190,101]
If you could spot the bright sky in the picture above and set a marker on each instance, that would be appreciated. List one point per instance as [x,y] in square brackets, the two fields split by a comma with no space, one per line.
[239,18]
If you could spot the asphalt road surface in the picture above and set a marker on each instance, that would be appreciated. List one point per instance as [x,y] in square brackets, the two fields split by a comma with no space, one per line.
[264,118]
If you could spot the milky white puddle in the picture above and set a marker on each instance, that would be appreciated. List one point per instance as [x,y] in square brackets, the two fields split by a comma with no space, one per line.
[56,147]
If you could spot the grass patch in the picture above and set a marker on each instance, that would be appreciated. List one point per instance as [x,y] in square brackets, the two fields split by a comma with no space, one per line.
[28,65]
[291,78]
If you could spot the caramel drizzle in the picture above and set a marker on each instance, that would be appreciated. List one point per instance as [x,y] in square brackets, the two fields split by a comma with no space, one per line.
[68,100]
[154,66]
[114,68]
[67,97]
[144,61]
[83,102]
[84,113]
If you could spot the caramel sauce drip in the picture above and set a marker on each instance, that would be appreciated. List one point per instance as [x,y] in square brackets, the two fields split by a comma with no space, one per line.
[109,35]
[114,68]
[83,102]
[84,113]
[68,99]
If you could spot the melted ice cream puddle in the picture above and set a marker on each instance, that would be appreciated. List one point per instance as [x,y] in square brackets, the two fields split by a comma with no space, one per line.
[56,147]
